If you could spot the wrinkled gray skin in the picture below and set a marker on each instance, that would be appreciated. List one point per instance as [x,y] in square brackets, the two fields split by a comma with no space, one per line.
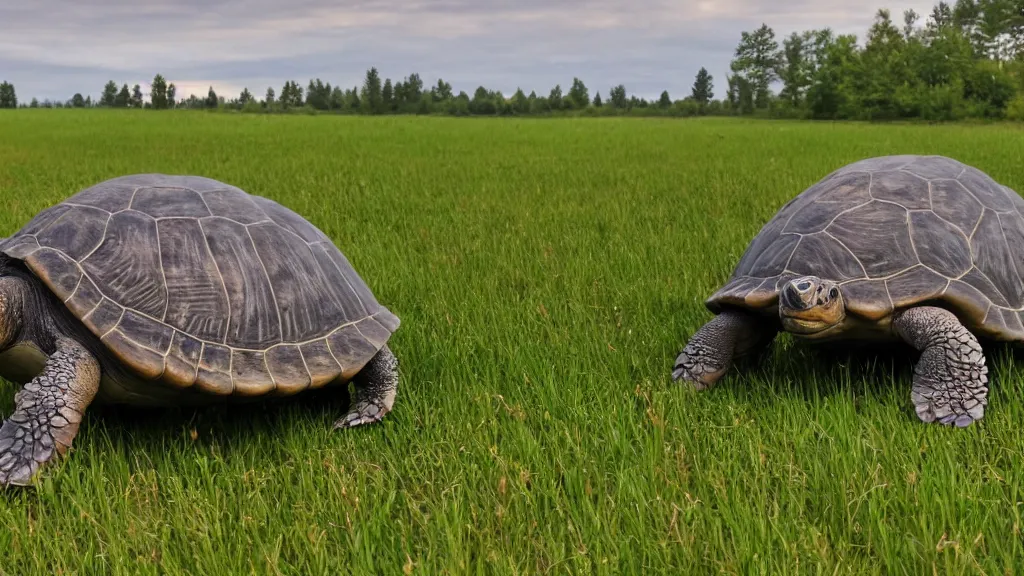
[922,250]
[155,290]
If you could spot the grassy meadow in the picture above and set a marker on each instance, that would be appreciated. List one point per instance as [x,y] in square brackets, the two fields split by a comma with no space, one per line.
[546,272]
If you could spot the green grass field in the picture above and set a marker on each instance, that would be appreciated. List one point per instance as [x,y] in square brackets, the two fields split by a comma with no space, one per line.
[547,272]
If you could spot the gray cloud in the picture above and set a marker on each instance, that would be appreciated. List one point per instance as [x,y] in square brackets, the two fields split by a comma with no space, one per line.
[54,48]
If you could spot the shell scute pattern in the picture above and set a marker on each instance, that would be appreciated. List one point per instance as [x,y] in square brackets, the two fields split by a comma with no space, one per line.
[197,283]
[894,232]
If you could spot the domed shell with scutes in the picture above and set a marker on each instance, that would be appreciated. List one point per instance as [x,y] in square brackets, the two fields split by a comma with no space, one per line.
[894,232]
[198,283]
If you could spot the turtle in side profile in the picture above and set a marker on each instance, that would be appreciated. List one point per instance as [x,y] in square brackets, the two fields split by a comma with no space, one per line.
[158,290]
[923,250]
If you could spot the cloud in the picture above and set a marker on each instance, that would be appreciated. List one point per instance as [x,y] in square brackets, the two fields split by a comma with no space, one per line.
[53,48]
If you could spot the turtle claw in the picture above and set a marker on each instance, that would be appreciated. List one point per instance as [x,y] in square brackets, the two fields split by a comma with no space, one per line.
[956,414]
[961,421]
[21,473]
[699,367]
[682,374]
[22,453]
[958,420]
[365,412]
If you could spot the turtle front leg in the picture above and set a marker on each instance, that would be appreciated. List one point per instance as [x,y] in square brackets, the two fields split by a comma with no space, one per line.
[375,388]
[950,378]
[712,350]
[48,410]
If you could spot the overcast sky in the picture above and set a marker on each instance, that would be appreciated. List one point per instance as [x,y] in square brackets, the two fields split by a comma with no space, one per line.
[54,48]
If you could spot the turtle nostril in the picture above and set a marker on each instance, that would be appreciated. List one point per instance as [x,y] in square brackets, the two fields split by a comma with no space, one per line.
[792,296]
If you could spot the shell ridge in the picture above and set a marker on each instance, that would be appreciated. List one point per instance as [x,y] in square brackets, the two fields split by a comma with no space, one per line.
[220,275]
[135,191]
[331,350]
[790,259]
[229,219]
[910,235]
[976,224]
[881,200]
[78,205]
[345,278]
[77,284]
[270,372]
[953,224]
[199,361]
[904,170]
[752,264]
[851,252]
[231,368]
[316,262]
[270,283]
[216,264]
[305,366]
[140,344]
[973,195]
[48,225]
[286,230]
[850,209]
[885,283]
[1006,242]
[116,324]
[163,273]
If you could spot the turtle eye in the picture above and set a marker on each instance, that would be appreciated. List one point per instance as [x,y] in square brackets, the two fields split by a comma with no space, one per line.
[833,293]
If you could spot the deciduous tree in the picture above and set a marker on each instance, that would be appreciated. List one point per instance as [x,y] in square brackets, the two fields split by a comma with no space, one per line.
[757,60]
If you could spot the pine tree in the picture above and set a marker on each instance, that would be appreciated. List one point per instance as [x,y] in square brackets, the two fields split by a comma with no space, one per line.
[703,90]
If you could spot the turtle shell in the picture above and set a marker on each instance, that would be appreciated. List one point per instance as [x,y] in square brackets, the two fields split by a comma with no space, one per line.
[896,231]
[197,283]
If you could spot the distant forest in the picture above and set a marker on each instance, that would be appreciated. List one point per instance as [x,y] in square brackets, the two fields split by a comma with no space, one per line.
[962,61]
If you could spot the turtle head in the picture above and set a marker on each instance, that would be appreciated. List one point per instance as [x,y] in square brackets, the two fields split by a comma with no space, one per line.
[809,305]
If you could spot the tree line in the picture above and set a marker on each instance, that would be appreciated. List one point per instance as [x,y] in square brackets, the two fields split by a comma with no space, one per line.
[406,96]
[964,60]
